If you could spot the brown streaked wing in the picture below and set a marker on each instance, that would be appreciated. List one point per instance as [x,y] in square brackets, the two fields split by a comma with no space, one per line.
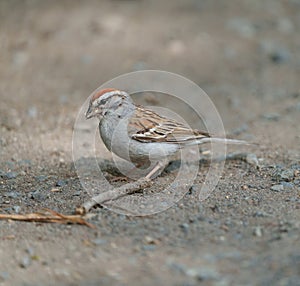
[148,126]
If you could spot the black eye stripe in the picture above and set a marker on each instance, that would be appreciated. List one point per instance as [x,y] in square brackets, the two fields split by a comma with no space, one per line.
[102,101]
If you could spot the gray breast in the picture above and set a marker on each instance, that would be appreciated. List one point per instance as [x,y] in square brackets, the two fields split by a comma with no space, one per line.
[115,137]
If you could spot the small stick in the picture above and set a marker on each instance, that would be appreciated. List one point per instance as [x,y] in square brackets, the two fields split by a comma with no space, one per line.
[52,217]
[113,195]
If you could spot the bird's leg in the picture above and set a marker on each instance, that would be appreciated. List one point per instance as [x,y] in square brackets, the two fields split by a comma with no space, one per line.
[158,167]
[122,191]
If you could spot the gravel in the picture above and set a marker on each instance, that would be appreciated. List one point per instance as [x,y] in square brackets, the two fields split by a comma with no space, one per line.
[244,233]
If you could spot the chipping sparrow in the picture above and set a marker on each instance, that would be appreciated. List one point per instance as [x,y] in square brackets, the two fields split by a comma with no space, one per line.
[141,133]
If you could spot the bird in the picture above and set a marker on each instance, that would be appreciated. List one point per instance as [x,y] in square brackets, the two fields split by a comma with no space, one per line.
[138,134]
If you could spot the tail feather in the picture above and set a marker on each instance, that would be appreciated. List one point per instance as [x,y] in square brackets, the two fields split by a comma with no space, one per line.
[221,140]
[228,141]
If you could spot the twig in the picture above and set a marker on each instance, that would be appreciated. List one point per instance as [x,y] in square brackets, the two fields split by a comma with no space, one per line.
[51,217]
[113,195]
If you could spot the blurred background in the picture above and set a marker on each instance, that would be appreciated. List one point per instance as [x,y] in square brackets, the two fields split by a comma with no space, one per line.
[53,54]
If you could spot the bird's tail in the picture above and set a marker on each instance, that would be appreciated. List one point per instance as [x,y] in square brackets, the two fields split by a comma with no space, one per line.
[227,141]
[204,140]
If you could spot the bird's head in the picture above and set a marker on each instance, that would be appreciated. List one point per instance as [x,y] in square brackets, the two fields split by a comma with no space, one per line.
[106,101]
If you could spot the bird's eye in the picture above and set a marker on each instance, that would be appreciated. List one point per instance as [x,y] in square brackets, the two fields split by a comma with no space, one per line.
[103,101]
[99,102]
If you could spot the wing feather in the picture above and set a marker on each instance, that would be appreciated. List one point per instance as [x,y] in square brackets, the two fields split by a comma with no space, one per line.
[156,128]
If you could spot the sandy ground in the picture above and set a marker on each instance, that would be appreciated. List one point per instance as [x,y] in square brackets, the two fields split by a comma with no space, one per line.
[244,54]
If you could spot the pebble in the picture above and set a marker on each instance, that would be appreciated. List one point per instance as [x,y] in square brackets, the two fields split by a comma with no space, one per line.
[271,116]
[287,175]
[287,185]
[149,247]
[16,209]
[151,240]
[32,112]
[41,178]
[11,175]
[185,227]
[55,190]
[23,173]
[257,231]
[25,262]
[260,214]
[12,195]
[280,56]
[30,251]
[202,274]
[99,241]
[61,183]
[37,195]
[277,188]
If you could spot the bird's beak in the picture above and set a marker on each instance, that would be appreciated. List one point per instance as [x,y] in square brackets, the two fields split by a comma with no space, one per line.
[90,113]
